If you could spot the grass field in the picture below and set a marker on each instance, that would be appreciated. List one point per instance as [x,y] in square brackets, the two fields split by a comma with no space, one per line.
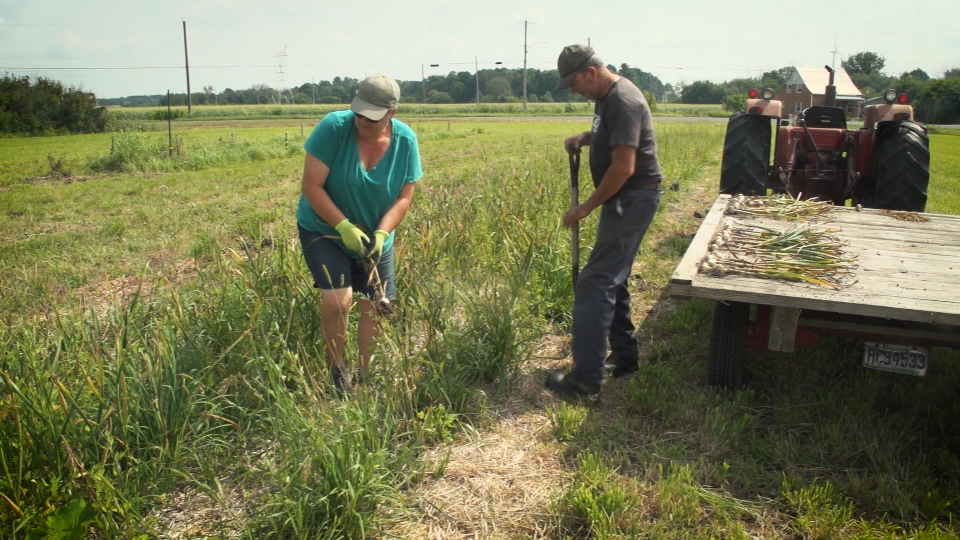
[219,112]
[160,374]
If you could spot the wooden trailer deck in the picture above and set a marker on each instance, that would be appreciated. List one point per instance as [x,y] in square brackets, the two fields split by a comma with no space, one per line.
[908,271]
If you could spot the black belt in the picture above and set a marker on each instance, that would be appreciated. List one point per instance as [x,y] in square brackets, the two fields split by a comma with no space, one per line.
[653,184]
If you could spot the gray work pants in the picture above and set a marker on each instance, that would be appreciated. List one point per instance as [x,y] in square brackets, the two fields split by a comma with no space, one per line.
[601,308]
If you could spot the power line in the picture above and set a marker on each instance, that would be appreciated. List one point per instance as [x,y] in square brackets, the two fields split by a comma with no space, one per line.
[287,66]
[103,68]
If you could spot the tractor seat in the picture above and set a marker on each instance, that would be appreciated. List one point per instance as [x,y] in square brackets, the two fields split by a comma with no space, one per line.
[827,117]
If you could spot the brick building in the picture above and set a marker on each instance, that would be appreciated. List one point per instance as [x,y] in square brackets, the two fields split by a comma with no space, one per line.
[806,87]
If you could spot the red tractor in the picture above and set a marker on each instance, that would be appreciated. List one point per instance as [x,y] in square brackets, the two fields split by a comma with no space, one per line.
[885,164]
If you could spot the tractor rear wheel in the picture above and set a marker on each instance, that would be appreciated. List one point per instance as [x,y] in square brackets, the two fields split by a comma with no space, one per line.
[746,155]
[903,168]
[727,344]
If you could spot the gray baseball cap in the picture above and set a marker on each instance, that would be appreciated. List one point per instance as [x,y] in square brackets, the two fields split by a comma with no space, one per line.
[376,95]
[571,59]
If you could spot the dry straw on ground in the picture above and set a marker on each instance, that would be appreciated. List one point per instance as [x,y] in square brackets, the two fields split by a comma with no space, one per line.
[498,482]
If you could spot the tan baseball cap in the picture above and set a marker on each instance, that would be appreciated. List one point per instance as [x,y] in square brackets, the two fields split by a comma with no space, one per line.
[376,95]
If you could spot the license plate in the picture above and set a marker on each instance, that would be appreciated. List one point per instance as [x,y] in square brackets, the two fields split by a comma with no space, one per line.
[896,358]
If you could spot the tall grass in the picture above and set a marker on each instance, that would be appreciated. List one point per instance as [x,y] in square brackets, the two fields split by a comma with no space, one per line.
[208,379]
[142,152]
[120,406]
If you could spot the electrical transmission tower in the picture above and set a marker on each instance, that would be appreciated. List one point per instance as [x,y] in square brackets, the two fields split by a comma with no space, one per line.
[281,58]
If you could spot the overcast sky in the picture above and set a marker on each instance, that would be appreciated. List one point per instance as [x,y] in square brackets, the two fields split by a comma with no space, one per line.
[120,48]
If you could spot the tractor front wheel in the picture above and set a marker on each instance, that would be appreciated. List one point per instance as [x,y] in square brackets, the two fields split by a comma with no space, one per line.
[903,168]
[746,155]
[727,344]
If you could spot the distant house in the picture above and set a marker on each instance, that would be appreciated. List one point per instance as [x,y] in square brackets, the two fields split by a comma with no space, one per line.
[806,87]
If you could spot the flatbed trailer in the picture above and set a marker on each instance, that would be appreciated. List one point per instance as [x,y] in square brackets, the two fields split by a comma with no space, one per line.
[904,296]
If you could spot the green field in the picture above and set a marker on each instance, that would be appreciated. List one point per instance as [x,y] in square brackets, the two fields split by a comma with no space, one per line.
[160,370]
[181,114]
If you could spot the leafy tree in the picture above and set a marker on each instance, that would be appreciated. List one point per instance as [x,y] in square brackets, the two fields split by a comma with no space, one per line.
[776,78]
[740,86]
[701,92]
[643,80]
[498,89]
[651,100]
[262,92]
[951,73]
[939,102]
[211,92]
[735,103]
[911,85]
[44,105]
[679,89]
[878,81]
[437,96]
[917,74]
[867,63]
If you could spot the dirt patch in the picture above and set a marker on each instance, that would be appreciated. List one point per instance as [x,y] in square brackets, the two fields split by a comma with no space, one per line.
[119,292]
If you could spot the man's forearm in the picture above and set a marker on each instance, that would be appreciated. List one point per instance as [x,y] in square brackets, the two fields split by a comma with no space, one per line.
[610,184]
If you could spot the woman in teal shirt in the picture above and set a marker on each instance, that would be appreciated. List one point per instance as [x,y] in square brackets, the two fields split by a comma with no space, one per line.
[359,175]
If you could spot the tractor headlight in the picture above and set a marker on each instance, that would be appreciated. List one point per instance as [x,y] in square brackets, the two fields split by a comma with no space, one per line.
[767,93]
[890,95]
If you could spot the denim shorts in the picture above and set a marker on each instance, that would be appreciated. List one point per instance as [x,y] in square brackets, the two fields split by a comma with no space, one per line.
[332,268]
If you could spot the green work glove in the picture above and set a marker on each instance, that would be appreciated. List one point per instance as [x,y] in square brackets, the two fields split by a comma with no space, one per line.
[376,248]
[352,236]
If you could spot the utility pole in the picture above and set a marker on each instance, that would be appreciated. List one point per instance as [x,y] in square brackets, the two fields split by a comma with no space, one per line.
[524,65]
[313,89]
[423,83]
[476,66]
[186,58]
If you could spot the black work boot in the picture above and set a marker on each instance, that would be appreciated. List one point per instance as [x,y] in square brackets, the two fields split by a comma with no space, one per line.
[618,366]
[341,383]
[567,386]
[361,376]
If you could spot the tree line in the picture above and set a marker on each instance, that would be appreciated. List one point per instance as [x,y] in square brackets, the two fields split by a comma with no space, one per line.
[499,85]
[42,106]
[935,100]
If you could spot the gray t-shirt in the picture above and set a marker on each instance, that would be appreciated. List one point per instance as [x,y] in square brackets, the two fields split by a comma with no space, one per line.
[622,116]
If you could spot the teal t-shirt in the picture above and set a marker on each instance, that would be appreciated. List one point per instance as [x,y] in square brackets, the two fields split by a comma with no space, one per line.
[363,196]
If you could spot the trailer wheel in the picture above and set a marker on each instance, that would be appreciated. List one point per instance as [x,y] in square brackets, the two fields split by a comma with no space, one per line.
[903,168]
[746,155]
[727,344]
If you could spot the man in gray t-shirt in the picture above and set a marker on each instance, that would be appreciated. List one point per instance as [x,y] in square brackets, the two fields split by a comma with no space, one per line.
[626,175]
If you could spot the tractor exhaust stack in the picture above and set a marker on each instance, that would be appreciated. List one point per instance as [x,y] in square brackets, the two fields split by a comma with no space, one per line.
[830,99]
